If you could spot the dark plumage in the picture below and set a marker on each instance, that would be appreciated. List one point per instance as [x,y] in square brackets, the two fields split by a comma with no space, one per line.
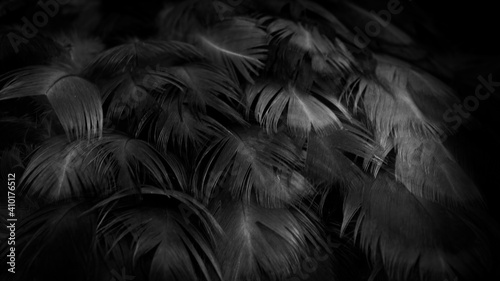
[236,140]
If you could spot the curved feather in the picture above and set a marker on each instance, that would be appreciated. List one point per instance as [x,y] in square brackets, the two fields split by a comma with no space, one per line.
[327,55]
[62,170]
[75,101]
[260,242]
[303,112]
[136,162]
[177,124]
[172,235]
[239,45]
[250,163]
[205,86]
[134,84]
[401,101]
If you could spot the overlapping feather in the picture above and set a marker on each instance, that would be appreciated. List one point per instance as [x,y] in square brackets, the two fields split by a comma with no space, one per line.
[248,164]
[270,243]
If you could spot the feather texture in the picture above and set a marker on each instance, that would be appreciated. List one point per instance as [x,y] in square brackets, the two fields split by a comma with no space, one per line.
[241,140]
[166,226]
[266,167]
[239,45]
[306,112]
[270,242]
[75,101]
